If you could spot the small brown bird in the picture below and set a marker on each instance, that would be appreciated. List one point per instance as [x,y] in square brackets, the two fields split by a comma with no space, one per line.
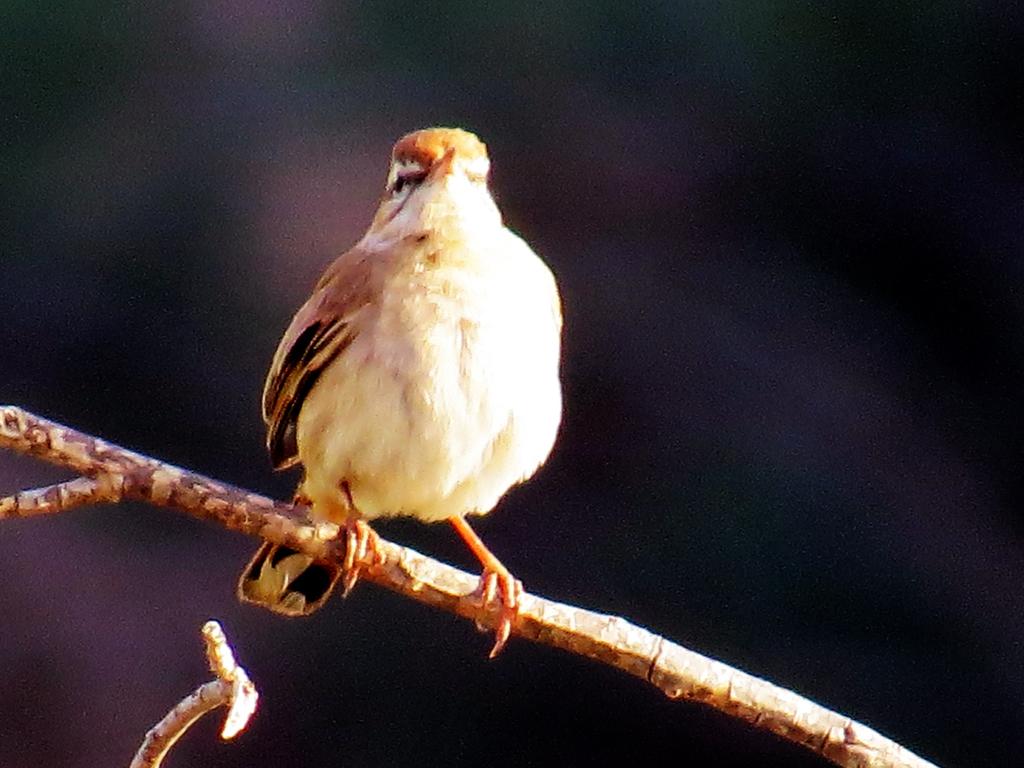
[420,378]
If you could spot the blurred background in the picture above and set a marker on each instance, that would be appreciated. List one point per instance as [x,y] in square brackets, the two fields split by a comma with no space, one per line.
[788,238]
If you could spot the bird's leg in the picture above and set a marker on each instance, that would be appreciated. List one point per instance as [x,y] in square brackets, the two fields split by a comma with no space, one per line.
[495,582]
[361,543]
[299,498]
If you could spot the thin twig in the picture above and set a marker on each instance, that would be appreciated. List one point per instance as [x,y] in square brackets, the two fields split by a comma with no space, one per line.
[232,689]
[676,671]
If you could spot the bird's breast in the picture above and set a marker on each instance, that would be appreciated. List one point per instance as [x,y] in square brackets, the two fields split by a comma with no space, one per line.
[447,395]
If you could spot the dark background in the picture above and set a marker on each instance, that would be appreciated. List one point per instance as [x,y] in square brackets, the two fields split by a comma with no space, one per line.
[788,237]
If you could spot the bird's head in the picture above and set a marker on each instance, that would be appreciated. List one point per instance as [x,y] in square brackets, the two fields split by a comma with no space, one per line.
[436,173]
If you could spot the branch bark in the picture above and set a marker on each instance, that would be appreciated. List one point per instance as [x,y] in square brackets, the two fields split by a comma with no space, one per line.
[112,474]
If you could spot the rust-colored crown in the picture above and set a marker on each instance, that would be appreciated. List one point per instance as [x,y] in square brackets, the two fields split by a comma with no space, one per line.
[431,144]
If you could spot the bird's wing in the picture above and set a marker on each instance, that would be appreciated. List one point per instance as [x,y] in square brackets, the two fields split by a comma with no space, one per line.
[320,331]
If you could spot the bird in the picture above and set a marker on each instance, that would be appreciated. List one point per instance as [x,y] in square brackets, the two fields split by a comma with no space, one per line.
[420,378]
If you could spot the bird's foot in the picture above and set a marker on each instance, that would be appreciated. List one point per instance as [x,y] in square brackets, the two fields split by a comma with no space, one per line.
[497,584]
[362,548]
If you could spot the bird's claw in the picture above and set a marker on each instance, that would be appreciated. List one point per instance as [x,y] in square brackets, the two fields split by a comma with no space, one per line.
[502,587]
[361,549]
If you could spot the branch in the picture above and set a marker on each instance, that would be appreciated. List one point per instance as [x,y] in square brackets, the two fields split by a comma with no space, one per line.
[232,689]
[113,474]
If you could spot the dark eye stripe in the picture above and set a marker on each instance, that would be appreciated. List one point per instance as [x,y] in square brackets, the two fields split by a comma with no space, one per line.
[412,177]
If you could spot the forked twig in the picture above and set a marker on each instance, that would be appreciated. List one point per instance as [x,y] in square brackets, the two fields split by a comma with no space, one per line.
[231,689]
[113,474]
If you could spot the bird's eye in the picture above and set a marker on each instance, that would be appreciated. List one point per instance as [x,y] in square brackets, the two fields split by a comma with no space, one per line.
[407,178]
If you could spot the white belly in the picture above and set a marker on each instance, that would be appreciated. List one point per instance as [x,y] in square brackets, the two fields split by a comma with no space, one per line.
[443,400]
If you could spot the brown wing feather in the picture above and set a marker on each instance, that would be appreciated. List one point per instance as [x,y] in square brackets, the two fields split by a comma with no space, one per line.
[320,331]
